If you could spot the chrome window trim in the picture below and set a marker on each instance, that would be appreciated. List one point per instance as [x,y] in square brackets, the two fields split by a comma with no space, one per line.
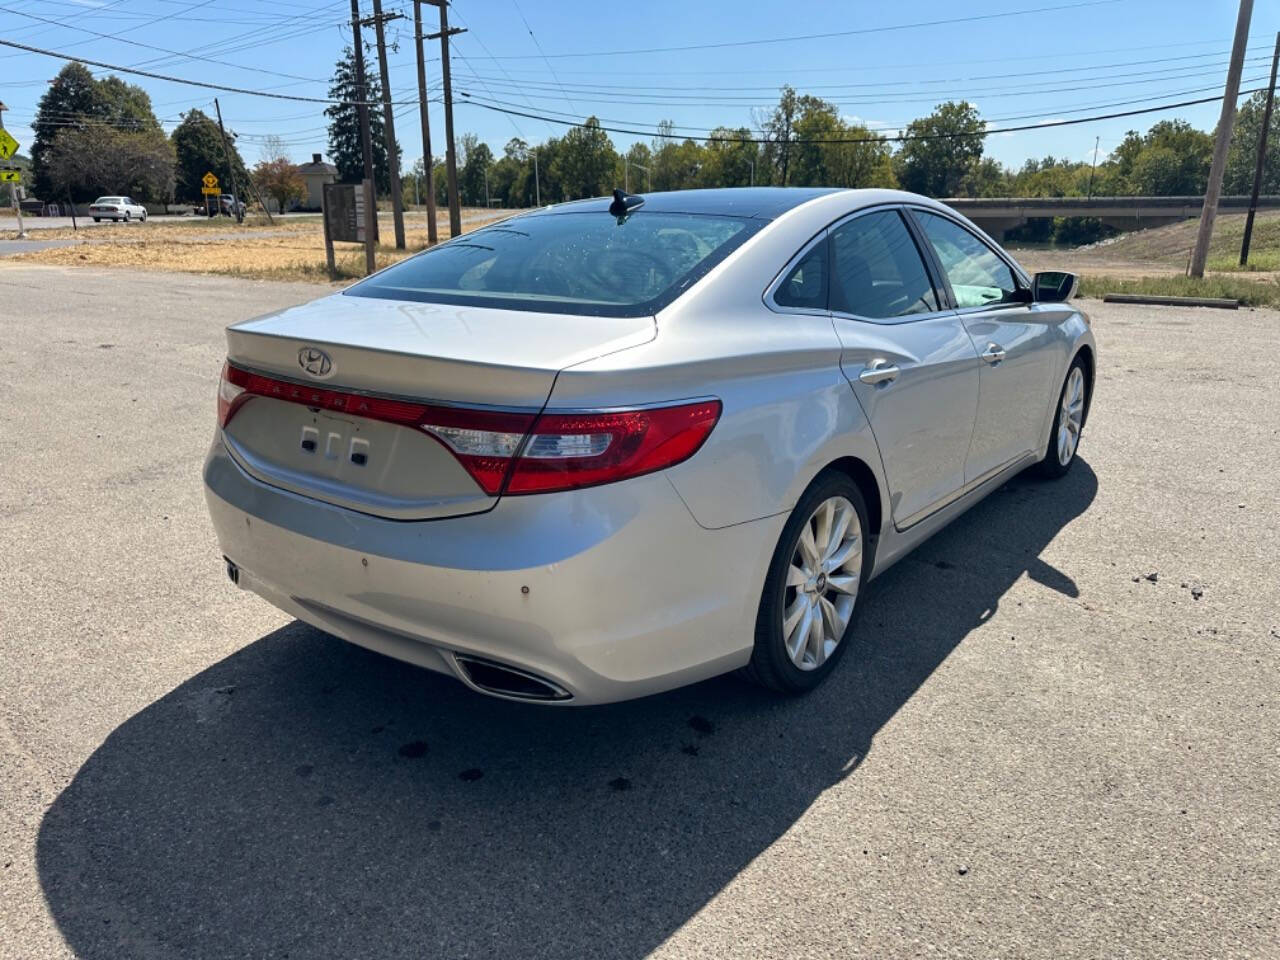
[943,310]
[821,236]
[1019,274]
[772,288]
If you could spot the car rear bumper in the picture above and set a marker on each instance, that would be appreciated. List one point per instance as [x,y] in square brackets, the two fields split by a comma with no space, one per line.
[606,593]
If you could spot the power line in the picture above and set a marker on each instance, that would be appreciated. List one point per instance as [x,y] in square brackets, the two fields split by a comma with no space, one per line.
[160,76]
[898,138]
[541,53]
[148,46]
[817,36]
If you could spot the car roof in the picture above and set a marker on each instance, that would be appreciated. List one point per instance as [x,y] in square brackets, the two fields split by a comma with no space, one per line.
[762,203]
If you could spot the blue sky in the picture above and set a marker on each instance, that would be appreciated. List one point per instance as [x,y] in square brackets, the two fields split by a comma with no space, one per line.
[1017,61]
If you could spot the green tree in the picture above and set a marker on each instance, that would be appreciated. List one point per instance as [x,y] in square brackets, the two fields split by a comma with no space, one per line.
[729,158]
[344,125]
[1243,154]
[197,144]
[949,145]
[778,128]
[1171,159]
[69,102]
[75,101]
[473,176]
[98,159]
[585,162]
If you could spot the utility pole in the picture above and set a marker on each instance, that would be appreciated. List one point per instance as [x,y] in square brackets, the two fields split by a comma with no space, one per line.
[231,165]
[432,237]
[1096,140]
[1262,157]
[366,145]
[1225,122]
[537,195]
[451,155]
[389,122]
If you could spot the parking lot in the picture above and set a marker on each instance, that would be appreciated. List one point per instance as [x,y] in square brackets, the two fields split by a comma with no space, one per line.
[1058,735]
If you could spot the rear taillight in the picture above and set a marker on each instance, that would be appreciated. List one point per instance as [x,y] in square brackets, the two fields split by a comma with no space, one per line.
[570,450]
[230,393]
[512,451]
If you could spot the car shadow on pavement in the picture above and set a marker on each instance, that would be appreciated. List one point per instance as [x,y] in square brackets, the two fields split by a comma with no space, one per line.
[306,798]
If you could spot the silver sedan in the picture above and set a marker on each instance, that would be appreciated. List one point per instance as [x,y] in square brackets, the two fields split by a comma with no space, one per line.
[616,446]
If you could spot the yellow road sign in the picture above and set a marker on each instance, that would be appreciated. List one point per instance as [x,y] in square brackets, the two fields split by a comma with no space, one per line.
[210,183]
[211,191]
[10,176]
[8,145]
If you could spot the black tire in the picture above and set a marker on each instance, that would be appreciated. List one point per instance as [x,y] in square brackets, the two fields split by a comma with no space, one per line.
[97,219]
[143,218]
[1051,466]
[127,216]
[770,665]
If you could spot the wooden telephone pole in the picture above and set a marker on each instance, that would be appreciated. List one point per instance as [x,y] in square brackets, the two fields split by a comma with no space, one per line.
[432,235]
[389,121]
[1262,157]
[451,155]
[366,145]
[1226,121]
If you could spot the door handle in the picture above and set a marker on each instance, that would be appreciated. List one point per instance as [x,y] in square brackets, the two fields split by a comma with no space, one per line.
[993,354]
[880,370]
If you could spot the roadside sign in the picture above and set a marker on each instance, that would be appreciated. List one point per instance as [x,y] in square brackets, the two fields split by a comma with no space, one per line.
[344,212]
[8,145]
[210,185]
[10,175]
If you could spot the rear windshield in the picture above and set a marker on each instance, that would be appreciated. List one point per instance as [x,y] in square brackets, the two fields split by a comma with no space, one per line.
[584,263]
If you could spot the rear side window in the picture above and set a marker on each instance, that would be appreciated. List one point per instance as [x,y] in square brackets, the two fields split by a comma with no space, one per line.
[976,274]
[876,270]
[806,284]
[585,263]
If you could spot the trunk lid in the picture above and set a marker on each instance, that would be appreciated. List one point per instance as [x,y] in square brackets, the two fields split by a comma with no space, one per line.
[430,353]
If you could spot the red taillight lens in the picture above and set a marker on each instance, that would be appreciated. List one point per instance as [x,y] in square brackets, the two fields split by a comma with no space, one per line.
[556,451]
[571,450]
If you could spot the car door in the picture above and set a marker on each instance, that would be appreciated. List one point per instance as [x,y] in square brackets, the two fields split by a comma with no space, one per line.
[1013,338]
[908,358]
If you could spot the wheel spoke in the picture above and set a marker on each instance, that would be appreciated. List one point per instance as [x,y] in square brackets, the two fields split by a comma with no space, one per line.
[840,559]
[843,518]
[794,612]
[844,583]
[817,637]
[831,620]
[822,520]
[796,576]
[808,549]
[798,638]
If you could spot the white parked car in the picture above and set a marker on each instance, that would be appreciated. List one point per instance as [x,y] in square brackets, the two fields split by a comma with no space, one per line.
[116,208]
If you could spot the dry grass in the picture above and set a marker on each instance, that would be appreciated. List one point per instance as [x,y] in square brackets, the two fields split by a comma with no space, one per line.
[290,250]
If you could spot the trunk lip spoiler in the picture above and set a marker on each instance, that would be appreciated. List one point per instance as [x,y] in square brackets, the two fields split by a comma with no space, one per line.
[333,387]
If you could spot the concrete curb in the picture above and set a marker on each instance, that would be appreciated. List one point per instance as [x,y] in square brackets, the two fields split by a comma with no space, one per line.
[1220,302]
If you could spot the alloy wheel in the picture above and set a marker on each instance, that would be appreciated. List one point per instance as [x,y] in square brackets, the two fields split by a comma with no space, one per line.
[822,583]
[1071,416]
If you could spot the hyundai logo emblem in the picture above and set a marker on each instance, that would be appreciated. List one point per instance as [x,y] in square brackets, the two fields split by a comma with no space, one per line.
[315,362]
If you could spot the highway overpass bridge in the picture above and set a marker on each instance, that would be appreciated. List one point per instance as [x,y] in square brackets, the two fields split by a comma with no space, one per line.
[995,215]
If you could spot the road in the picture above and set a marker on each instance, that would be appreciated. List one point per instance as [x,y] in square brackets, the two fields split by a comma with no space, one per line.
[1035,750]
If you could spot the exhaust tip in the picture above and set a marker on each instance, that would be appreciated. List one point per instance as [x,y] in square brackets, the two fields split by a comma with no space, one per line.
[233,572]
[501,680]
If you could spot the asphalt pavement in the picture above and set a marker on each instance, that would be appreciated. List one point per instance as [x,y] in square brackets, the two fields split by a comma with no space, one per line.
[1057,736]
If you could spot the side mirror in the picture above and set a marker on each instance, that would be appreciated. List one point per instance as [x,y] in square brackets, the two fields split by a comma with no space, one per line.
[1053,286]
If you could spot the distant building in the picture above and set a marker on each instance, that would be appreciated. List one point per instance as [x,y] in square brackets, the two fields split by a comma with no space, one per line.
[315,175]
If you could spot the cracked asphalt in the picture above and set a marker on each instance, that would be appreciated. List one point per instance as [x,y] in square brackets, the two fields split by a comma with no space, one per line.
[1058,734]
